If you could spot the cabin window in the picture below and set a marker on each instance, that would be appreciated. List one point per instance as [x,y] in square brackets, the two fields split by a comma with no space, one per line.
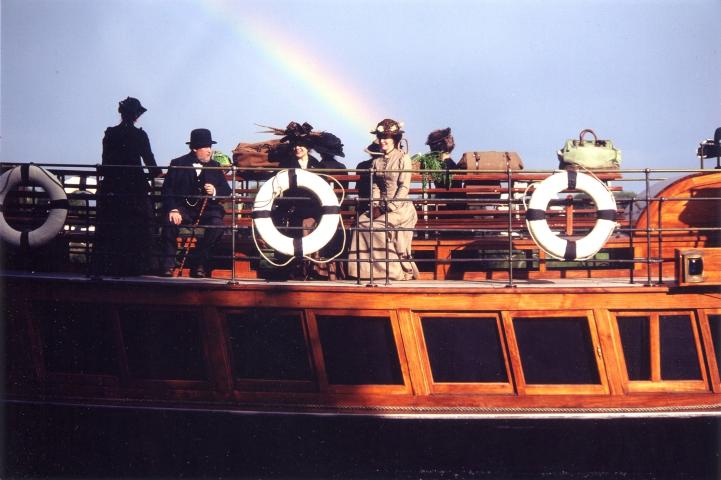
[636,344]
[714,323]
[359,350]
[660,347]
[679,357]
[267,344]
[163,344]
[77,338]
[556,350]
[464,349]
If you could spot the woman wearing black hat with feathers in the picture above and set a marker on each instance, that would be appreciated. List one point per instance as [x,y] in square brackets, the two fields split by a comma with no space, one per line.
[123,235]
[185,192]
[296,211]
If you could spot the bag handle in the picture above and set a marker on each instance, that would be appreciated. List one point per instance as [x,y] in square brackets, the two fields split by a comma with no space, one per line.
[585,131]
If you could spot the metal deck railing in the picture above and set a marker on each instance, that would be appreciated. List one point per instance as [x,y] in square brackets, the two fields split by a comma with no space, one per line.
[481,222]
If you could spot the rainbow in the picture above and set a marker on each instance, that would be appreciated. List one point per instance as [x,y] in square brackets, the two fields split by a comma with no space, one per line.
[335,94]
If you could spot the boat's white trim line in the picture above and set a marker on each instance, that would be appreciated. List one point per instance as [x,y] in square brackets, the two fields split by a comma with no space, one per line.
[468,413]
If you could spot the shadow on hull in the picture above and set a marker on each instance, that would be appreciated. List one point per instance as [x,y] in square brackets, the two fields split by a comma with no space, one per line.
[62,441]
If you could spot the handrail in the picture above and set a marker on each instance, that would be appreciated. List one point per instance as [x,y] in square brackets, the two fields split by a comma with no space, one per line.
[505,205]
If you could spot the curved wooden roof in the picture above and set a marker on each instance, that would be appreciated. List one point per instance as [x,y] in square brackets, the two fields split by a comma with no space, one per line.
[685,207]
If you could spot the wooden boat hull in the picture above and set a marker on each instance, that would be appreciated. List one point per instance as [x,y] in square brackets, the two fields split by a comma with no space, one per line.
[365,350]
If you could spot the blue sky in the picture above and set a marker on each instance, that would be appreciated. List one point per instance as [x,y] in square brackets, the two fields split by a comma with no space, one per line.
[521,76]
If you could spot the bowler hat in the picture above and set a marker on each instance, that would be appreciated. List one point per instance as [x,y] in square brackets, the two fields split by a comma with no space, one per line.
[200,137]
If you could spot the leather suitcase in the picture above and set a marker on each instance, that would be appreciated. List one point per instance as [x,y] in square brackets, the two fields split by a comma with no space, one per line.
[490,161]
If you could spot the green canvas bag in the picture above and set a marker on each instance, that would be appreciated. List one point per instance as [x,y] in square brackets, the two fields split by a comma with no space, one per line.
[590,154]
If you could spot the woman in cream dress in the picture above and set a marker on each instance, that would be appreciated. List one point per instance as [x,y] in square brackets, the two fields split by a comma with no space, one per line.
[391,250]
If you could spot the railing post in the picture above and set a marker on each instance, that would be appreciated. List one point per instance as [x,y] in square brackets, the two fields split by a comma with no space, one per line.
[648,227]
[233,225]
[660,241]
[370,228]
[632,234]
[385,247]
[509,230]
[92,268]
[569,214]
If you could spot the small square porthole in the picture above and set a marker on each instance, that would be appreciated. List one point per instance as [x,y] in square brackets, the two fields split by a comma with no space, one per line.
[693,267]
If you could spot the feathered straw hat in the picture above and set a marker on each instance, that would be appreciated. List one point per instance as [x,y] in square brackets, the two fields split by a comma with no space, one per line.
[295,133]
[388,127]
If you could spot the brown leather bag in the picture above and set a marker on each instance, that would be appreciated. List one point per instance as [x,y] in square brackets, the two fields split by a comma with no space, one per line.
[254,155]
[490,161]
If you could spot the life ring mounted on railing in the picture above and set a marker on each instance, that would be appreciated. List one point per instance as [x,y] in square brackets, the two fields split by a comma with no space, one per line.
[33,175]
[561,248]
[274,187]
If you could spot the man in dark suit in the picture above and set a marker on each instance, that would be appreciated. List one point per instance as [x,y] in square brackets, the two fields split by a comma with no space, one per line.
[191,195]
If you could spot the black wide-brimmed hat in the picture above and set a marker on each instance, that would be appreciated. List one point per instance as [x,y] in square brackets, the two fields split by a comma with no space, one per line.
[298,134]
[374,149]
[326,143]
[200,137]
[389,127]
[131,106]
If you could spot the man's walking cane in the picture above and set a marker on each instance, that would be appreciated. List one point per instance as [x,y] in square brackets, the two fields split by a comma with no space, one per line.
[189,240]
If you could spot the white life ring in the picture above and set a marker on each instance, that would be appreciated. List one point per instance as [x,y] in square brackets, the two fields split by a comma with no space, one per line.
[320,236]
[32,174]
[561,248]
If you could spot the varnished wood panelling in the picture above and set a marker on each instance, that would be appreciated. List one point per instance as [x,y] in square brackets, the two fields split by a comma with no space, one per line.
[710,348]
[415,352]
[610,346]
[404,305]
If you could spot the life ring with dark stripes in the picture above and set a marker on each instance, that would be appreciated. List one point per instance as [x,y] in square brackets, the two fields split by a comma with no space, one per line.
[559,247]
[33,175]
[274,187]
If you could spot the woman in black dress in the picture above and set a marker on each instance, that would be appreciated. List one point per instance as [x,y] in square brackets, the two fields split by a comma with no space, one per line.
[125,211]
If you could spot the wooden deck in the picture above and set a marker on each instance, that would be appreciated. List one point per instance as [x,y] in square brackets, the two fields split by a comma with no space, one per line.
[574,284]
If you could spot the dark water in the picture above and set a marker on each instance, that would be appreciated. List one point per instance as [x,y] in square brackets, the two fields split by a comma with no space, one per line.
[73,442]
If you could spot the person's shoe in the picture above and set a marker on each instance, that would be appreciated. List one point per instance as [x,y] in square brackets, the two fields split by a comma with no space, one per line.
[198,272]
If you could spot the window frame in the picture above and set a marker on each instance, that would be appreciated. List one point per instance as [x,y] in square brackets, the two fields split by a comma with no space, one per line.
[171,383]
[272,384]
[319,358]
[523,388]
[45,375]
[657,384]
[463,387]
[709,347]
